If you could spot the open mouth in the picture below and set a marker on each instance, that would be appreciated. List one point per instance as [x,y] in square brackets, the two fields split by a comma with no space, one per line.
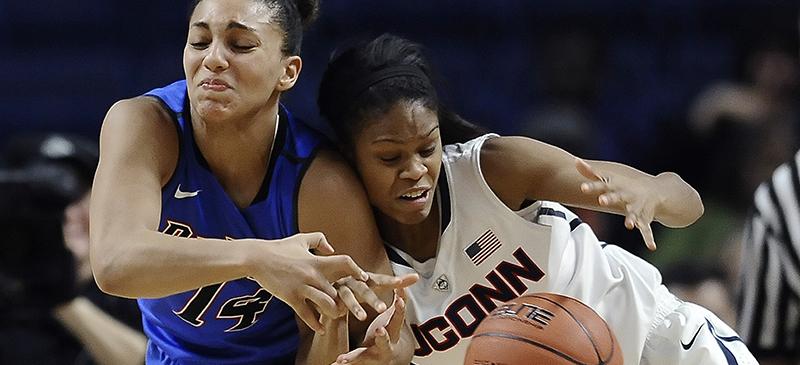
[419,195]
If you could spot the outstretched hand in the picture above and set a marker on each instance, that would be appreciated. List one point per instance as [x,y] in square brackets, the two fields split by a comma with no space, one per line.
[303,280]
[381,338]
[637,202]
[353,292]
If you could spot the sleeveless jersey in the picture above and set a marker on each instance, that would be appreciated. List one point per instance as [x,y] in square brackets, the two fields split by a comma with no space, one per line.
[489,254]
[235,322]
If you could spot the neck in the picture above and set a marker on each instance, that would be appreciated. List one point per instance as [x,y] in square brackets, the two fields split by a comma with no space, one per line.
[238,150]
[420,240]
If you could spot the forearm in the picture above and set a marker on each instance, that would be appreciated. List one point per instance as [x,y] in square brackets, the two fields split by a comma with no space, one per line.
[151,264]
[679,204]
[109,341]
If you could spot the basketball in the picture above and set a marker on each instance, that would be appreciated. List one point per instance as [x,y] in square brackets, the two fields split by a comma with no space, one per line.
[543,329]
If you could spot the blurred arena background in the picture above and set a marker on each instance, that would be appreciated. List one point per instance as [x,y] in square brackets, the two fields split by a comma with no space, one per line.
[704,88]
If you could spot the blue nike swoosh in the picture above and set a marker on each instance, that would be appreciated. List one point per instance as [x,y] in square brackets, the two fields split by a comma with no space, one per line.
[687,346]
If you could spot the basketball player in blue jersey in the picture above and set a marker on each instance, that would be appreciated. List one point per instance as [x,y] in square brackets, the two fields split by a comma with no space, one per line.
[475,221]
[203,187]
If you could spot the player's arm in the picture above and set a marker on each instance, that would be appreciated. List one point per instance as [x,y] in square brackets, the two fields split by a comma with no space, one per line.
[332,200]
[519,169]
[130,258]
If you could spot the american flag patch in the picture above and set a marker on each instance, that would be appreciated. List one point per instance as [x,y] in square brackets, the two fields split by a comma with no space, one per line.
[483,247]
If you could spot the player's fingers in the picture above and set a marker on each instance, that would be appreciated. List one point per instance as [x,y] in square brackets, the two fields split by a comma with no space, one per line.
[351,303]
[326,305]
[609,199]
[382,341]
[630,221]
[339,266]
[309,317]
[316,241]
[320,282]
[647,234]
[389,281]
[585,169]
[366,295]
[407,280]
[401,293]
[396,323]
[381,280]
[350,356]
[594,187]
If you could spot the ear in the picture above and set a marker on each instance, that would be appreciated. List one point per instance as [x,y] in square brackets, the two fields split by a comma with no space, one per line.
[291,71]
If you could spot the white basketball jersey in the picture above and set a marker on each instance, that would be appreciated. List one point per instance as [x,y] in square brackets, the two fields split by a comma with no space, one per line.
[489,254]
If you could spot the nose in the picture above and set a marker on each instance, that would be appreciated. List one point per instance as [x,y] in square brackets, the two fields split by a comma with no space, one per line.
[215,60]
[415,170]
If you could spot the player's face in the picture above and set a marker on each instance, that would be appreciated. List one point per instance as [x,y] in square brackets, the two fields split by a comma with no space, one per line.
[232,59]
[398,156]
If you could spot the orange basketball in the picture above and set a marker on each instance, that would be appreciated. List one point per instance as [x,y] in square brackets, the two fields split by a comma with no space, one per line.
[546,329]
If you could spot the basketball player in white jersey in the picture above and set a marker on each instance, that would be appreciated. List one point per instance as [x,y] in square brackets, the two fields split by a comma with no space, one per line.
[475,221]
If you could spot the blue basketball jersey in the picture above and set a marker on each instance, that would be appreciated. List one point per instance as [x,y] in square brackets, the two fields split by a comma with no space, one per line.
[236,322]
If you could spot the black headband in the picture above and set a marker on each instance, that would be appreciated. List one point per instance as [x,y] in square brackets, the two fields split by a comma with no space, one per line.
[360,85]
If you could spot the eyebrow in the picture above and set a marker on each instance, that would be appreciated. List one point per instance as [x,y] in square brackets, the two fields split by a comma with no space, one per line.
[392,140]
[231,25]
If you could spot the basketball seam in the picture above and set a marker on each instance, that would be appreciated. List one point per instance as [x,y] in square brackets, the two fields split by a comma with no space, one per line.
[585,330]
[530,342]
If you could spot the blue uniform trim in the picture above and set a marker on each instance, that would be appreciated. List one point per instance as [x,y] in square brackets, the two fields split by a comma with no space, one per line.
[396,258]
[552,212]
[574,224]
[729,357]
[444,194]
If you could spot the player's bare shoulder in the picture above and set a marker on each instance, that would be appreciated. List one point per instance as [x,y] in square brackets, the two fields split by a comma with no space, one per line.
[330,172]
[330,185]
[140,129]
[502,161]
[332,200]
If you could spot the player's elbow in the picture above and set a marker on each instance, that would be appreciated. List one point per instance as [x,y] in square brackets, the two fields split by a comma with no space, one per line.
[109,271]
[108,276]
[694,209]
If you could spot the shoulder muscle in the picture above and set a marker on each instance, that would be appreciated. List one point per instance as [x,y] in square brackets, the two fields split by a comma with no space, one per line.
[332,200]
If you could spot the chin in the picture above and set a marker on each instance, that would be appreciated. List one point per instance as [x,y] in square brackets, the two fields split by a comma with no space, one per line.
[412,218]
[211,110]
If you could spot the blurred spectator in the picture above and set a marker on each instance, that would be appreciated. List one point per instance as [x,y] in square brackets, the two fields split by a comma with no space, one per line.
[769,302]
[742,131]
[51,312]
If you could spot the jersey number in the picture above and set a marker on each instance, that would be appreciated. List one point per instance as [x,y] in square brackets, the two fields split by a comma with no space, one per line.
[245,309]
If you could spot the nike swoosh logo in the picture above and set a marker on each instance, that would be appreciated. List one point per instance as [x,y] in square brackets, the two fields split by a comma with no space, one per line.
[185,194]
[687,346]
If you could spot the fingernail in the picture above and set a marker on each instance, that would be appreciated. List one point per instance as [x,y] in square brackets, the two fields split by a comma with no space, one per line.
[381,307]
[603,200]
[364,276]
[584,186]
